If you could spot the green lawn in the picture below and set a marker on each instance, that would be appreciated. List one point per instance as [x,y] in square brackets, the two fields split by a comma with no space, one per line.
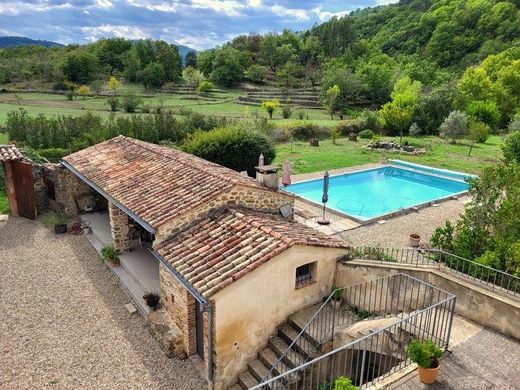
[4,206]
[305,158]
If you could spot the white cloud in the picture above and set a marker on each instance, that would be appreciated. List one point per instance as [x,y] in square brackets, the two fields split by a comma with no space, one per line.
[103,4]
[326,15]
[152,5]
[129,32]
[386,2]
[16,7]
[299,14]
[229,7]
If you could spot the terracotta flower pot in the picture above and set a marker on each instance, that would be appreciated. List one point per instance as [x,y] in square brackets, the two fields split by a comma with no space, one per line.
[428,375]
[415,240]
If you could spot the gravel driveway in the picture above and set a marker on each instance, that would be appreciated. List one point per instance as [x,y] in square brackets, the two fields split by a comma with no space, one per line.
[63,324]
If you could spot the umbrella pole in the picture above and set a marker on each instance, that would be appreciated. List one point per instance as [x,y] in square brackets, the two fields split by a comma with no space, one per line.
[323,220]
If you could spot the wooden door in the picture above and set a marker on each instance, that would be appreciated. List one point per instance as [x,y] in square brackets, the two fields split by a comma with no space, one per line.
[24,189]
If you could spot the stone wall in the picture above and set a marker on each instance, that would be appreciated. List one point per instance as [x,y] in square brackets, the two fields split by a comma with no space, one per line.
[119,228]
[67,186]
[254,198]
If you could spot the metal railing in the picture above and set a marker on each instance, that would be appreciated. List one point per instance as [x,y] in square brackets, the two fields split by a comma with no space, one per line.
[421,312]
[393,297]
[482,274]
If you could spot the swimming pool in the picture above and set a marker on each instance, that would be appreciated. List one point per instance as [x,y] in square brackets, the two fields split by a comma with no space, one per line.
[373,193]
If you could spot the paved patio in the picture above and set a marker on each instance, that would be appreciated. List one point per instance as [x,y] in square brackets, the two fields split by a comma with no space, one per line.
[63,321]
[486,360]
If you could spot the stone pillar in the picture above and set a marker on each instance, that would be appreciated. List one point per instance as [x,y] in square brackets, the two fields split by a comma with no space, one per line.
[119,228]
[11,195]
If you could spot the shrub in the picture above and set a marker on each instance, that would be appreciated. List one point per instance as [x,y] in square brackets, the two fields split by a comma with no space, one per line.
[256,73]
[300,114]
[113,102]
[442,237]
[334,134]
[414,131]
[484,111]
[234,148]
[60,85]
[306,131]
[455,126]
[286,112]
[205,87]
[70,95]
[514,125]
[109,253]
[131,103]
[351,126]
[369,119]
[54,155]
[511,148]
[425,354]
[366,134]
[146,108]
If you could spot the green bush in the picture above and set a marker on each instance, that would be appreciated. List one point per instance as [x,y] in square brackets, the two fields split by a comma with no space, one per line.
[351,126]
[369,119]
[306,131]
[442,237]
[54,219]
[366,134]
[286,112]
[511,148]
[425,354]
[484,111]
[54,155]
[514,125]
[131,103]
[109,253]
[234,148]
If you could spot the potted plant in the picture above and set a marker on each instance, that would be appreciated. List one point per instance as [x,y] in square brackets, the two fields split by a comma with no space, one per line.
[426,354]
[152,300]
[58,221]
[110,254]
[415,240]
[335,298]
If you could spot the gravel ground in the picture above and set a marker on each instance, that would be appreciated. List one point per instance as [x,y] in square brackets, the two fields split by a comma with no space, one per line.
[63,324]
[395,232]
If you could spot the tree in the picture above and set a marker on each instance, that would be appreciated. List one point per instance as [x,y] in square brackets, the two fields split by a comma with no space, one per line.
[191,59]
[228,67]
[231,147]
[192,77]
[168,57]
[131,103]
[256,73]
[484,111]
[455,126]
[331,98]
[151,75]
[511,148]
[132,65]
[80,67]
[83,91]
[205,62]
[398,115]
[205,87]
[349,83]
[270,107]
[96,86]
[113,85]
[110,53]
[435,104]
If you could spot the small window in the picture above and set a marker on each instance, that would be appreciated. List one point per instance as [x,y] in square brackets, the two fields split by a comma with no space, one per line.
[305,274]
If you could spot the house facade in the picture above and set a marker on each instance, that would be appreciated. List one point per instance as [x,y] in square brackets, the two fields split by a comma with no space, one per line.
[231,267]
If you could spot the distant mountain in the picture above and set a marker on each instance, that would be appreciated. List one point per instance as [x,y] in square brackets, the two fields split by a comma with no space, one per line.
[23,41]
[183,51]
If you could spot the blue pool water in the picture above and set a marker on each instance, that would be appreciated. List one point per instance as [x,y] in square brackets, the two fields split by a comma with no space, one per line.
[373,193]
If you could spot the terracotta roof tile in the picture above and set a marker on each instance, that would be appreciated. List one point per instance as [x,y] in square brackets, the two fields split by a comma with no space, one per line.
[229,244]
[155,182]
[9,153]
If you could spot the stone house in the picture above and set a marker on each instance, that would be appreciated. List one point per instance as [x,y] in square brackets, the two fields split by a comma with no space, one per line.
[231,267]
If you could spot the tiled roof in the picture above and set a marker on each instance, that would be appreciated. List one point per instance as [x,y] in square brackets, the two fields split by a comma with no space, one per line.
[223,247]
[156,183]
[9,153]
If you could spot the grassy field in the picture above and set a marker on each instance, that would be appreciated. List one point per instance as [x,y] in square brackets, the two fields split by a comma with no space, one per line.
[305,158]
[223,103]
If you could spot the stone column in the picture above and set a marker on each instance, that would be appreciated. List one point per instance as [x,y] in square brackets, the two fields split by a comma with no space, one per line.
[11,195]
[119,228]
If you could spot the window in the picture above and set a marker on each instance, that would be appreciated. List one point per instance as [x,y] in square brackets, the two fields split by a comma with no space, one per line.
[305,274]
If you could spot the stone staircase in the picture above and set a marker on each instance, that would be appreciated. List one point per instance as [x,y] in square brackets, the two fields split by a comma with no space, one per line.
[276,346]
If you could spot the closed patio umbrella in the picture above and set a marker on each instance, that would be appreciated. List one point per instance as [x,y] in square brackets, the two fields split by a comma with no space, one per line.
[261,160]
[286,179]
[324,199]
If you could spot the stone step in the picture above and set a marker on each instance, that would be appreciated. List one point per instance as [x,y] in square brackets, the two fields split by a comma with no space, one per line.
[236,386]
[303,345]
[258,369]
[247,380]
[290,357]
[269,358]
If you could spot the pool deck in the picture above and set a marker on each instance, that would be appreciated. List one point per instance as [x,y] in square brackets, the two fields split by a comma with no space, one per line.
[394,231]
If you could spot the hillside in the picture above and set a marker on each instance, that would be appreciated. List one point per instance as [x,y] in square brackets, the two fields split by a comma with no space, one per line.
[6,42]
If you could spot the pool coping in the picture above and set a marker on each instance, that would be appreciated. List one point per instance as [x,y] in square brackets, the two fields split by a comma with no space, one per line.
[383,217]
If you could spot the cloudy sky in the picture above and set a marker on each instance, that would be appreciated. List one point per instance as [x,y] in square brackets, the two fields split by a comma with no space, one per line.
[196,23]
